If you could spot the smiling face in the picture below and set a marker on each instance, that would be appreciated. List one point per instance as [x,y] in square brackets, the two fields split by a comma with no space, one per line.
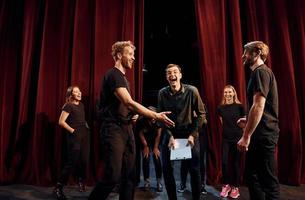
[127,58]
[173,76]
[76,94]
[228,95]
[249,58]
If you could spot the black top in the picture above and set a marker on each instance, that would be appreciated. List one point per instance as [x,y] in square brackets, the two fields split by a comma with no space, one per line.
[110,107]
[230,113]
[182,105]
[148,128]
[76,116]
[262,80]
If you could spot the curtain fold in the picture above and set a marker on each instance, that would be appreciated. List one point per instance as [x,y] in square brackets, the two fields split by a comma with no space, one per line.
[45,47]
[281,25]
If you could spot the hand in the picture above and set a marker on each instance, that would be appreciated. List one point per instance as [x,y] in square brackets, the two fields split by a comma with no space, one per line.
[171,142]
[190,141]
[241,122]
[243,144]
[134,119]
[145,151]
[163,118]
[157,152]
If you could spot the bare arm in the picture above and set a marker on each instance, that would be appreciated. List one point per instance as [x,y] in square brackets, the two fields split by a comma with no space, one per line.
[255,114]
[123,95]
[254,117]
[62,121]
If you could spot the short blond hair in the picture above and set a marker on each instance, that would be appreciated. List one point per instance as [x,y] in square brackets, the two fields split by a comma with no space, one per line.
[256,46]
[119,46]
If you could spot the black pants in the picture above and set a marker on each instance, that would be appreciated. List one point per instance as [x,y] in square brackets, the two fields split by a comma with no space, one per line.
[204,147]
[260,170]
[138,159]
[203,140]
[78,145]
[230,163]
[118,154]
[193,165]
[157,163]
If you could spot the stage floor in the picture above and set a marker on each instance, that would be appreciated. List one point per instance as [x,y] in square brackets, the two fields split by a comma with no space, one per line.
[29,192]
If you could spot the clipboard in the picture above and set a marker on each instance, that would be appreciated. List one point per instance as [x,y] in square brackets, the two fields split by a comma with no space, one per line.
[181,151]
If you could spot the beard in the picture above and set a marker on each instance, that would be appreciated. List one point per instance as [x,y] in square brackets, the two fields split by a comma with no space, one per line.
[125,63]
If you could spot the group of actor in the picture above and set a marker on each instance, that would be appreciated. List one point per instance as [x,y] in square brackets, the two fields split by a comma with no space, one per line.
[129,130]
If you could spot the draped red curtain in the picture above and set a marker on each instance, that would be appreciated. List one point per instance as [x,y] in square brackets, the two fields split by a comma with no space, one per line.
[45,47]
[223,28]
[50,44]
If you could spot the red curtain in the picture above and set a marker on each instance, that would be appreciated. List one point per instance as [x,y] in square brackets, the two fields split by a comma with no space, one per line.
[223,28]
[45,47]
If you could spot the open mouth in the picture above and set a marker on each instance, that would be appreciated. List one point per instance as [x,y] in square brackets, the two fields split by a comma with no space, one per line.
[173,79]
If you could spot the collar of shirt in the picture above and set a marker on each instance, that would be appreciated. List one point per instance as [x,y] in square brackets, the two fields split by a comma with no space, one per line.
[182,90]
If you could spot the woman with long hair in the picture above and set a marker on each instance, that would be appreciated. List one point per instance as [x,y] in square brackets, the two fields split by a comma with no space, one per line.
[229,111]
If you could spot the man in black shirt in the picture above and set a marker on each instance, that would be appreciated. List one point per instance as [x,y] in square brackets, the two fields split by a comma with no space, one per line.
[116,109]
[262,125]
[188,113]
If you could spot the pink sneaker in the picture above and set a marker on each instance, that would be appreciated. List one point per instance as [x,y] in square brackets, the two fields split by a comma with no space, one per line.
[234,193]
[225,190]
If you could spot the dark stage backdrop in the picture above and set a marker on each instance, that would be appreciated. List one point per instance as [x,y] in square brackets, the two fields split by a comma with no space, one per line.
[48,45]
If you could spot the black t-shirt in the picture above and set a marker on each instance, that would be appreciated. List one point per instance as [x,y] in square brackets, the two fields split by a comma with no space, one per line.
[110,107]
[148,128]
[262,80]
[230,113]
[76,116]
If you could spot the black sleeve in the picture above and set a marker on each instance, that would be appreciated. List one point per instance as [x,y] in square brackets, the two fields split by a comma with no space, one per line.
[242,111]
[219,111]
[117,80]
[262,82]
[67,108]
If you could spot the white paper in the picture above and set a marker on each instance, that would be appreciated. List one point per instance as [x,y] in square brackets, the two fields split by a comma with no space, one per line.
[181,151]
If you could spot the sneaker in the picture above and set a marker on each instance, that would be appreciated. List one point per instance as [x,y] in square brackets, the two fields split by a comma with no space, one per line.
[59,194]
[182,188]
[225,191]
[159,186]
[234,193]
[203,190]
[147,184]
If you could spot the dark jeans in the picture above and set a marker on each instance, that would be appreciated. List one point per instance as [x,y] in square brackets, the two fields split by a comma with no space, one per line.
[193,165]
[78,146]
[230,163]
[260,172]
[157,163]
[118,154]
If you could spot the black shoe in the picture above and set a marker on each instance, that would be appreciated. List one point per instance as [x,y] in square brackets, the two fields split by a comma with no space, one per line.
[59,194]
[182,188]
[147,185]
[159,187]
[81,187]
[116,188]
[203,190]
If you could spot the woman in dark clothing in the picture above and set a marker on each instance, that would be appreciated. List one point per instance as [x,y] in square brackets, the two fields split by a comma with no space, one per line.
[72,119]
[229,112]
